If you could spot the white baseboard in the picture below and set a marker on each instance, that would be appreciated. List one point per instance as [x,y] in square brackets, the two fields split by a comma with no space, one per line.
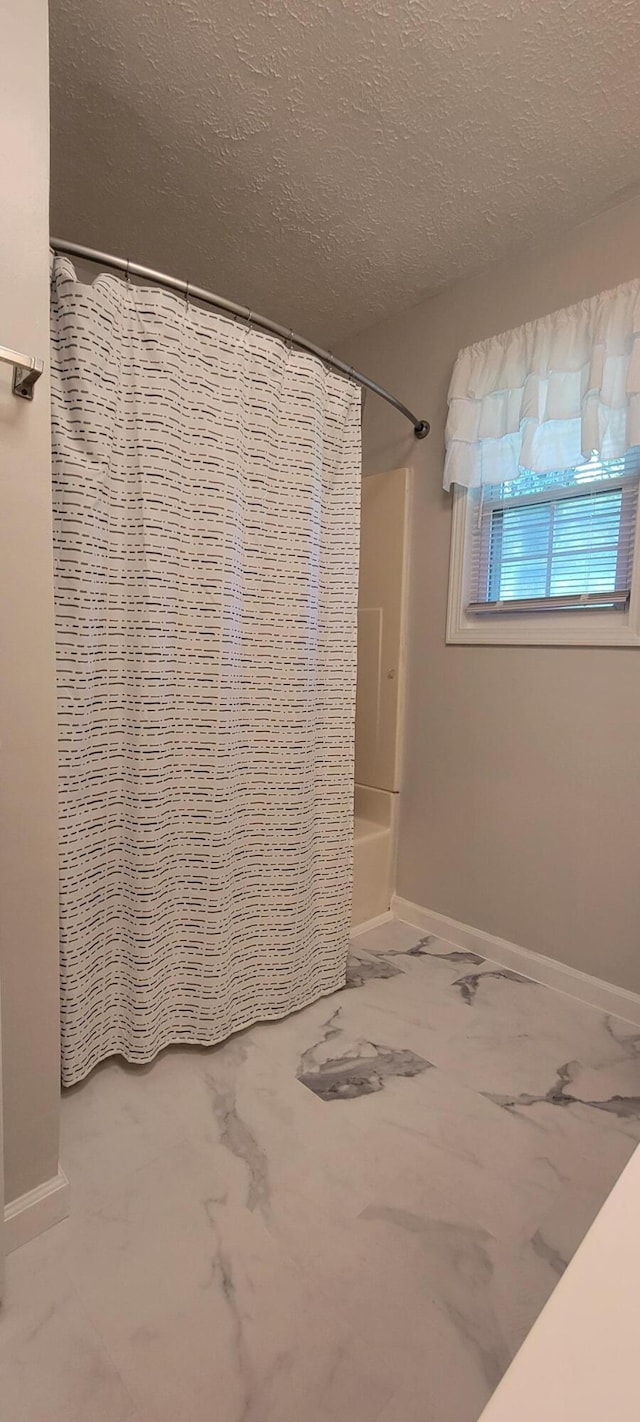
[36,1211]
[372,923]
[548,971]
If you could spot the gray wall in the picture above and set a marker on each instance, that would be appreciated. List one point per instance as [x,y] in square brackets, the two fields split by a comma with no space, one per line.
[520,808]
[28,810]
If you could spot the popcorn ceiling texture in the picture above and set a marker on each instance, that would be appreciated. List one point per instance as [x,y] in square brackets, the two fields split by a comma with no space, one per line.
[327,161]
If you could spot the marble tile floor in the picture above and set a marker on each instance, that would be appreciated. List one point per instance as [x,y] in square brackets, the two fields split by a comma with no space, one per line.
[354,1215]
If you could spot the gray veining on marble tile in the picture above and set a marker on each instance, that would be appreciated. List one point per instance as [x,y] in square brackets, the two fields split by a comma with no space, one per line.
[458,955]
[624,1034]
[344,1078]
[469,984]
[547,1252]
[234,1133]
[426,947]
[422,946]
[364,970]
[222,1276]
[458,1272]
[558,1094]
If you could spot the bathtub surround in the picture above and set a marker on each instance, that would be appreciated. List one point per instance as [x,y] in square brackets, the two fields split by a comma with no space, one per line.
[354,1213]
[521,782]
[374,843]
[382,612]
[206,517]
[382,617]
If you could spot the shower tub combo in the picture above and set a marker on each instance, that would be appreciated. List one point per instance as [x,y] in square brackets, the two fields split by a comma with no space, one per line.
[379,703]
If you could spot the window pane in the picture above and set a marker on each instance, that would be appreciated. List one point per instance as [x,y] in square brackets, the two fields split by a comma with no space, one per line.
[518,564]
[526,531]
[527,578]
[557,547]
[586,522]
[584,572]
[585,544]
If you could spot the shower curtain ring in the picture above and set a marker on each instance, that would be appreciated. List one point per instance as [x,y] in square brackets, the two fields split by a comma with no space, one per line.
[186,293]
[128,271]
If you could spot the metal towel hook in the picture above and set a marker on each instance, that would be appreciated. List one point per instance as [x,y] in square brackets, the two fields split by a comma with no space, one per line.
[26,370]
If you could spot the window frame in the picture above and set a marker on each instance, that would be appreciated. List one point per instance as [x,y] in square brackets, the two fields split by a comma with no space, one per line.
[591,627]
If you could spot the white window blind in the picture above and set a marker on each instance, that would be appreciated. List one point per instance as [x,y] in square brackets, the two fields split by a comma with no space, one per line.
[563,541]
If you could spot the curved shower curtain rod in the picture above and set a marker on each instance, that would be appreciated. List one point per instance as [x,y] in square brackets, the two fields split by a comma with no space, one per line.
[121,264]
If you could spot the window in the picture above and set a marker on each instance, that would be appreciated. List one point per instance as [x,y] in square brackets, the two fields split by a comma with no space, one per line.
[548,558]
[541,556]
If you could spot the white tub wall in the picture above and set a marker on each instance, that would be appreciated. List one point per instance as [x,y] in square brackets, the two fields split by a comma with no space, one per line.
[374,847]
[373,806]
[379,703]
[381,628]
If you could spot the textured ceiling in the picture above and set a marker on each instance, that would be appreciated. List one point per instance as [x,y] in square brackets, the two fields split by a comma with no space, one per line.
[326,161]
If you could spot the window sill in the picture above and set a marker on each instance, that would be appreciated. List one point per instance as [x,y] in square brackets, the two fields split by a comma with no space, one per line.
[530,631]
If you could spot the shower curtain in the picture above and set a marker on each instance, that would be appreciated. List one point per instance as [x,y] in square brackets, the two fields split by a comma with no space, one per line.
[206,509]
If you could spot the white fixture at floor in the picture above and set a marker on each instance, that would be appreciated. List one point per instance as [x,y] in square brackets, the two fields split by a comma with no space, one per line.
[373,852]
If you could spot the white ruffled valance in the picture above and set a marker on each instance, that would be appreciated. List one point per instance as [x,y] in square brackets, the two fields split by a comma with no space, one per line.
[549,394]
